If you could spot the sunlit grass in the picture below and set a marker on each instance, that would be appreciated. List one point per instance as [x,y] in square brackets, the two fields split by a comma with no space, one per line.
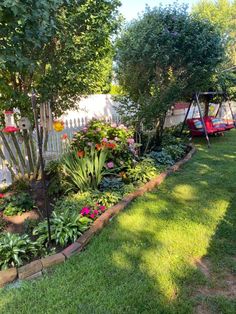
[143,262]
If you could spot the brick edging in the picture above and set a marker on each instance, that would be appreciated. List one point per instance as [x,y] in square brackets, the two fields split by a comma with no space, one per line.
[36,268]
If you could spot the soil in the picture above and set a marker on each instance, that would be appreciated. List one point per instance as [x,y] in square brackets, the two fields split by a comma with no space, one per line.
[15,224]
[218,286]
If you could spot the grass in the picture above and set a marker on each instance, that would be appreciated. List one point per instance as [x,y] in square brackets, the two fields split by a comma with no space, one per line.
[144,261]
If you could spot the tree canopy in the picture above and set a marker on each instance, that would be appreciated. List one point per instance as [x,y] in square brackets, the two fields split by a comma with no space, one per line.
[222,14]
[57,47]
[164,56]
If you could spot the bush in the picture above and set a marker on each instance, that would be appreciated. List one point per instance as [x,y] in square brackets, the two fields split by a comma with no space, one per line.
[175,151]
[15,249]
[111,184]
[161,158]
[16,204]
[118,140]
[143,171]
[56,176]
[65,227]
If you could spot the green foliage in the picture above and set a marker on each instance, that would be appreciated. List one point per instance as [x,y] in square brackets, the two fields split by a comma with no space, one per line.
[56,177]
[29,225]
[107,199]
[118,140]
[161,158]
[175,151]
[86,172]
[15,249]
[16,204]
[111,183]
[91,199]
[35,53]
[66,227]
[163,56]
[143,171]
[2,224]
[222,15]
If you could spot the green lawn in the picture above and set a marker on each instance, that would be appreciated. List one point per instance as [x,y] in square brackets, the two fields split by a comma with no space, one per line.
[145,260]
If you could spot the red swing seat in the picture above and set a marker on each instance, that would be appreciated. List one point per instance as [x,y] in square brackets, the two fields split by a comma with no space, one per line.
[196,127]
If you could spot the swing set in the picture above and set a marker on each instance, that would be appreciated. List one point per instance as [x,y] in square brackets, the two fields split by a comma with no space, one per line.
[208,125]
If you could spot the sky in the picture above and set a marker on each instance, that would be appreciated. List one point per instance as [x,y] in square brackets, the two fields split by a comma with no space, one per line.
[131,8]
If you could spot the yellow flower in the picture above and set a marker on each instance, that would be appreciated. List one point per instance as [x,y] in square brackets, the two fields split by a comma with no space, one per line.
[58,126]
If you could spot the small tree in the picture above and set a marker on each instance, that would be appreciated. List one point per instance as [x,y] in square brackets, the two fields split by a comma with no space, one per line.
[162,57]
[221,13]
[58,48]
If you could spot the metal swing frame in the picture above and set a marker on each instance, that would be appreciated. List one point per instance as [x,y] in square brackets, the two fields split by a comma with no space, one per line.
[195,99]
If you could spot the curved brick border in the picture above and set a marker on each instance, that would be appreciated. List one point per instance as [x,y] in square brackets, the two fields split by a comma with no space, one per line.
[36,268]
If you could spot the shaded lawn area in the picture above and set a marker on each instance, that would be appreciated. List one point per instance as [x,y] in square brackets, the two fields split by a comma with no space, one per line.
[145,260]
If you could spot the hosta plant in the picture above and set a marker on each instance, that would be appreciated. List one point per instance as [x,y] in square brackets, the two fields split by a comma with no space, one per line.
[65,227]
[15,249]
[143,171]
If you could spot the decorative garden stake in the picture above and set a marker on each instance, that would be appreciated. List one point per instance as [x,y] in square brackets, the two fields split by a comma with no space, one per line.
[41,160]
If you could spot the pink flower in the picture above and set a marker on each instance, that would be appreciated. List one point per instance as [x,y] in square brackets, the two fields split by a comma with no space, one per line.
[104,140]
[96,212]
[85,211]
[2,195]
[116,138]
[110,165]
[102,208]
[130,141]
[92,216]
[85,129]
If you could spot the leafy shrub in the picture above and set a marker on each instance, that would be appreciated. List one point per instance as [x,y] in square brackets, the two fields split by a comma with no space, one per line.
[56,176]
[161,158]
[118,140]
[176,151]
[65,227]
[143,171]
[16,204]
[112,183]
[107,199]
[29,225]
[86,172]
[15,249]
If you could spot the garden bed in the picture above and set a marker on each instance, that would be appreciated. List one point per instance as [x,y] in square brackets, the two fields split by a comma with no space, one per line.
[36,267]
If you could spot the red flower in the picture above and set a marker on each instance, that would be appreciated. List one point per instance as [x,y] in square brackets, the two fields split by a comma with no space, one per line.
[80,154]
[92,216]
[95,212]
[2,195]
[64,137]
[98,146]
[102,208]
[111,145]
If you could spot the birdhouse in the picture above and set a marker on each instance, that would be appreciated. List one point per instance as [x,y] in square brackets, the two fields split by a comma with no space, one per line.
[24,123]
[9,118]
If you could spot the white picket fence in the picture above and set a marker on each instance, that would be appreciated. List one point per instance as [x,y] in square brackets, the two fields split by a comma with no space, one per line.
[55,145]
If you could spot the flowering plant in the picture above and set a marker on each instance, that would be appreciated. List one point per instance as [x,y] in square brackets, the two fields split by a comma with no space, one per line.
[117,140]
